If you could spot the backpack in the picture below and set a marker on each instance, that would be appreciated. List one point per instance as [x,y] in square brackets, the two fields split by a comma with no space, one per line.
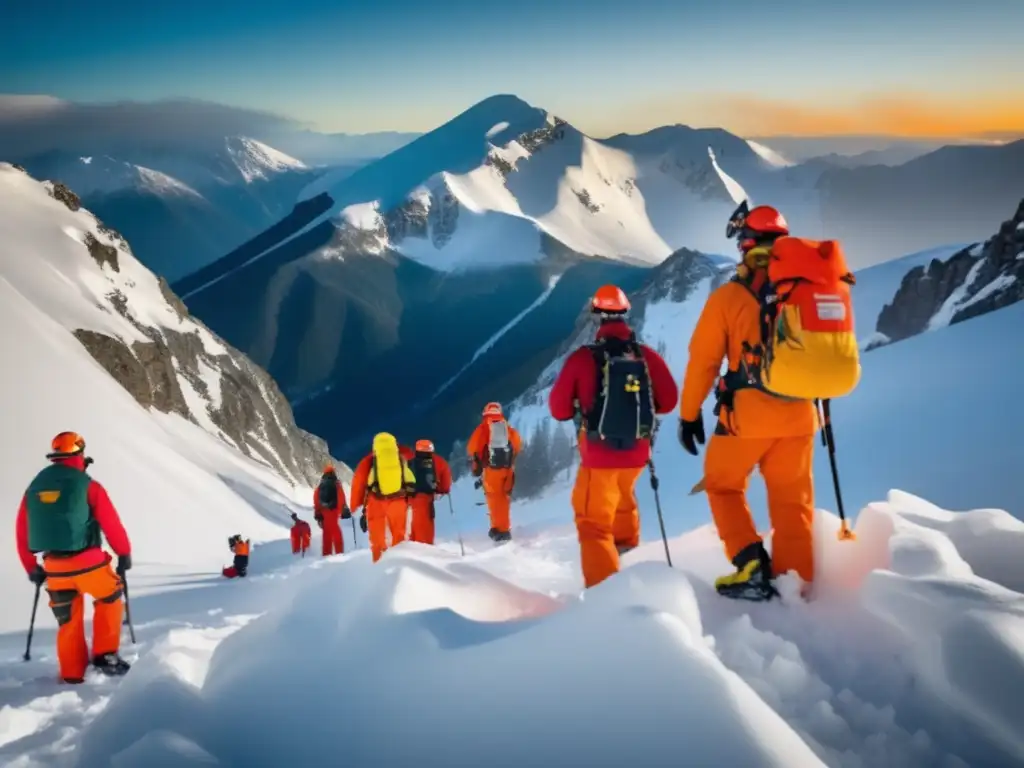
[328,492]
[809,347]
[426,475]
[390,476]
[623,410]
[59,517]
[499,446]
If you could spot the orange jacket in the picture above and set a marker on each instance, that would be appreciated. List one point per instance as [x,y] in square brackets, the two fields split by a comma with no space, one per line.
[361,477]
[730,317]
[241,548]
[477,445]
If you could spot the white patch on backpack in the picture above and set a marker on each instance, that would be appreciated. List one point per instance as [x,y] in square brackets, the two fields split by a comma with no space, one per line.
[499,435]
[830,307]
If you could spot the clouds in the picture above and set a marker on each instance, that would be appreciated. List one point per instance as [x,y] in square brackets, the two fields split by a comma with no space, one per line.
[30,125]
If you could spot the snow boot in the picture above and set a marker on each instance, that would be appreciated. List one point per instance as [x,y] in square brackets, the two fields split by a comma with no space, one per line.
[624,548]
[753,577]
[111,664]
[502,536]
[493,534]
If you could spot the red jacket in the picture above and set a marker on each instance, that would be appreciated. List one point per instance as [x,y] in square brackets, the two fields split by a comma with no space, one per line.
[578,381]
[301,528]
[102,510]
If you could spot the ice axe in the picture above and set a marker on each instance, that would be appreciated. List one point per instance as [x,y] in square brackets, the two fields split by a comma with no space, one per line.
[828,439]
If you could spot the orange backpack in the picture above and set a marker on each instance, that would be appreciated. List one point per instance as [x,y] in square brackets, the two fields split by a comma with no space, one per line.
[810,348]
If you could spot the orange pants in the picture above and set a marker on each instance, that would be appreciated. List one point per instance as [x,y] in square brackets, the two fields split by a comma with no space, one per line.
[498,495]
[422,506]
[333,543]
[68,605]
[600,500]
[300,542]
[786,465]
[383,516]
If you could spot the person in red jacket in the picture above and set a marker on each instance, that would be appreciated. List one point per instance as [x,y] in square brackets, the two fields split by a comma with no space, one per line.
[618,422]
[301,535]
[433,478]
[62,515]
[329,509]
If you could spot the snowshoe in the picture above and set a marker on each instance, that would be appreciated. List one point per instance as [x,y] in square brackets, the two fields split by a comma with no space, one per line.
[752,579]
[111,664]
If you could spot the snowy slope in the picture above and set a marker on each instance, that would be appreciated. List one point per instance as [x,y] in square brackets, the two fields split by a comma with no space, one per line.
[181,486]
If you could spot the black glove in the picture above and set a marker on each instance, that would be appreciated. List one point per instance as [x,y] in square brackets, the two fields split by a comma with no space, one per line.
[319,520]
[433,512]
[124,564]
[478,467]
[38,576]
[346,513]
[478,484]
[362,523]
[690,431]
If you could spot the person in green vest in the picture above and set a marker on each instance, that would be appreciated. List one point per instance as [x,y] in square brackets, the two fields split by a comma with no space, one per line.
[64,515]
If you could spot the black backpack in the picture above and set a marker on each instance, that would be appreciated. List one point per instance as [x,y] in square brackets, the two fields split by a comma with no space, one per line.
[623,410]
[426,476]
[329,492]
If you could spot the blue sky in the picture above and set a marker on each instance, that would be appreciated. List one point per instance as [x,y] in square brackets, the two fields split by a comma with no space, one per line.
[805,66]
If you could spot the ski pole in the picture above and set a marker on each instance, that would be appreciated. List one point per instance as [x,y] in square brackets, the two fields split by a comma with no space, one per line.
[657,506]
[451,508]
[829,439]
[127,607]
[32,624]
[355,544]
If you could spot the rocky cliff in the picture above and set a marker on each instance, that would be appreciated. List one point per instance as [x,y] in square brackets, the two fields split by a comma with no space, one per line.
[175,364]
[975,280]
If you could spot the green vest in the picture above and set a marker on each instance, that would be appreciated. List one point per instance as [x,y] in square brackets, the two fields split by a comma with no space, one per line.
[59,518]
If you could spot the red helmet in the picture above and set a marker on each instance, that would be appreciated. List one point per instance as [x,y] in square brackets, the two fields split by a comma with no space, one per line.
[609,300]
[424,446]
[753,225]
[492,410]
[65,445]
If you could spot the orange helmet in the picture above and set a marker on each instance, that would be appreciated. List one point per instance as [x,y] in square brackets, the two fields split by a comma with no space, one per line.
[609,300]
[492,409]
[424,446]
[753,225]
[66,444]
[328,469]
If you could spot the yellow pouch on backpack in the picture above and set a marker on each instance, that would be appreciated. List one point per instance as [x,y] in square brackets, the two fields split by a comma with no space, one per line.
[389,475]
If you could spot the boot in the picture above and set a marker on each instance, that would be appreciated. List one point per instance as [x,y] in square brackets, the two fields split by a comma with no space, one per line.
[753,577]
[501,536]
[493,534]
[624,548]
[111,664]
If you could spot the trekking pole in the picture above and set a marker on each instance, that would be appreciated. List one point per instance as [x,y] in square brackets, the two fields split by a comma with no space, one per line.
[127,608]
[657,506]
[32,624]
[451,508]
[829,439]
[355,544]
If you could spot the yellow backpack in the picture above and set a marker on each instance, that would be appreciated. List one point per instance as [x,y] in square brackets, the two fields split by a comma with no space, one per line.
[390,476]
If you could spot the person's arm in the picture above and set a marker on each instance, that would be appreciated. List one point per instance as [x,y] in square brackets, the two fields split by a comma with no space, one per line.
[109,521]
[707,350]
[562,402]
[663,383]
[28,559]
[359,480]
[444,474]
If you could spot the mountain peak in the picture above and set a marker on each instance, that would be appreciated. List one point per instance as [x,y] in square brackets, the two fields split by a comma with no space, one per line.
[256,160]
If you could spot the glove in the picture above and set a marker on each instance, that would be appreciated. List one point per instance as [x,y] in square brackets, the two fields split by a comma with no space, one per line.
[362,523]
[124,564]
[38,576]
[433,512]
[478,467]
[690,431]
[319,520]
[478,484]
[346,513]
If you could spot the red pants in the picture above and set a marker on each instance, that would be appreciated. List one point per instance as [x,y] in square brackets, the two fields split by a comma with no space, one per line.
[333,543]
[422,506]
[300,542]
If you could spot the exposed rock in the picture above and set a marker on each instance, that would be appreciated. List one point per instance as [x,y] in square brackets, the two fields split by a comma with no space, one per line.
[503,166]
[17,167]
[102,253]
[531,141]
[407,220]
[60,192]
[585,200]
[971,282]
[443,217]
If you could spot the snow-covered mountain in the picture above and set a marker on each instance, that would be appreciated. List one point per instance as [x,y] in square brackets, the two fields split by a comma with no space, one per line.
[909,655]
[184,428]
[181,206]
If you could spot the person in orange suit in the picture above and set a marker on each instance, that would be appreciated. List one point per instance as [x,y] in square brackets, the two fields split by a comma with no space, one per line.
[62,515]
[617,426]
[382,485]
[433,478]
[240,566]
[754,429]
[329,509]
[301,535]
[493,448]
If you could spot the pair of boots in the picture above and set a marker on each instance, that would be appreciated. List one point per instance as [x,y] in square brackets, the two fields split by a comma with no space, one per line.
[110,664]
[753,577]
